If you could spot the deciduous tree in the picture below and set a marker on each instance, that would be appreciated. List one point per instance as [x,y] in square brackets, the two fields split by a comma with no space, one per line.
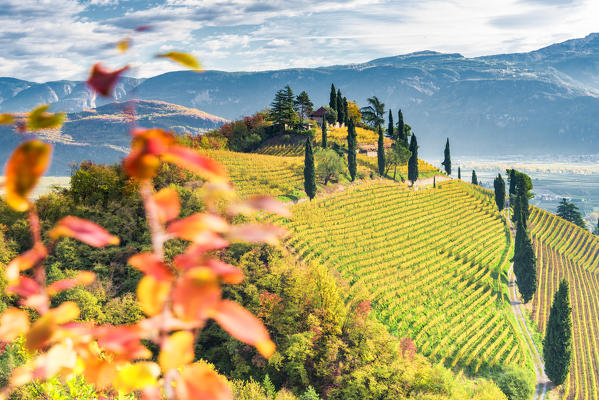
[329,165]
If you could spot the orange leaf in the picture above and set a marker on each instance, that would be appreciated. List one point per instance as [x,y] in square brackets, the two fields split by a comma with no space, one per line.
[123,45]
[152,294]
[25,287]
[185,59]
[228,273]
[124,342]
[13,323]
[193,227]
[167,204]
[40,333]
[176,351]
[39,119]
[6,119]
[193,161]
[102,80]
[24,262]
[149,264]
[256,233]
[82,278]
[244,326]
[146,146]
[199,381]
[206,241]
[24,168]
[86,231]
[261,203]
[195,294]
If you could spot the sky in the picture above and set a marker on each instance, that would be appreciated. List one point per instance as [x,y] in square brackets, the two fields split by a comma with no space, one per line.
[47,40]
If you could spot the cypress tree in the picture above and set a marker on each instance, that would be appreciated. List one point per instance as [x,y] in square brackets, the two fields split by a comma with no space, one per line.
[333,98]
[340,108]
[413,161]
[400,127]
[352,142]
[380,152]
[435,181]
[309,174]
[512,179]
[345,113]
[474,178]
[390,127]
[459,173]
[447,161]
[525,264]
[324,134]
[557,349]
[499,185]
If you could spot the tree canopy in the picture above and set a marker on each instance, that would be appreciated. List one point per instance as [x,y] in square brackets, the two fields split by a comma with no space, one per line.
[499,185]
[557,349]
[309,172]
[374,112]
[570,212]
[282,111]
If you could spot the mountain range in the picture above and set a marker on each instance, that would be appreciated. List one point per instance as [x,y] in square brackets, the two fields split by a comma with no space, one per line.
[540,102]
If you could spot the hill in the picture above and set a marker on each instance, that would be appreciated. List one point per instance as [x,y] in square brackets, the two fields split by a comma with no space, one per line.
[102,134]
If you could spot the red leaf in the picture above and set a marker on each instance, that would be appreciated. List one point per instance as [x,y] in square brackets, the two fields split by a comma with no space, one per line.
[193,161]
[143,28]
[24,262]
[193,227]
[196,294]
[149,264]
[256,233]
[244,326]
[82,278]
[86,231]
[198,381]
[25,287]
[227,273]
[102,80]
[124,342]
[147,145]
[167,204]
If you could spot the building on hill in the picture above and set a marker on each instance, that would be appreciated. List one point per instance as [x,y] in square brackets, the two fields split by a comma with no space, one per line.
[370,148]
[318,115]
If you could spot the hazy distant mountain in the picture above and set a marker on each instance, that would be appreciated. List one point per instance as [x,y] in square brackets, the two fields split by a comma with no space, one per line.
[102,134]
[544,101]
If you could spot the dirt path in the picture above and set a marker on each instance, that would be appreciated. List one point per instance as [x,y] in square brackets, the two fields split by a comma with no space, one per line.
[429,181]
[543,382]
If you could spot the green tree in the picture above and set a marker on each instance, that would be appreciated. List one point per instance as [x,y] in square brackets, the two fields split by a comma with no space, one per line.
[340,108]
[459,173]
[557,348]
[303,106]
[333,98]
[391,127]
[568,211]
[282,110]
[345,110]
[397,155]
[309,173]
[596,231]
[474,178]
[517,383]
[521,185]
[331,115]
[499,185]
[380,152]
[525,263]
[324,135]
[401,128]
[413,162]
[373,113]
[329,165]
[447,160]
[512,181]
[352,143]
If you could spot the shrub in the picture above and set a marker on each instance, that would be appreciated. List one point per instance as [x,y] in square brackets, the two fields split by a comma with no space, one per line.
[517,383]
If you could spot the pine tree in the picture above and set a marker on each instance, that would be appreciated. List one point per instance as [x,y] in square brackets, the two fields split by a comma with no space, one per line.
[413,161]
[459,173]
[557,348]
[400,128]
[283,107]
[499,185]
[474,178]
[381,153]
[333,98]
[568,211]
[340,108]
[525,263]
[447,161]
[324,134]
[309,174]
[391,127]
[352,143]
[303,105]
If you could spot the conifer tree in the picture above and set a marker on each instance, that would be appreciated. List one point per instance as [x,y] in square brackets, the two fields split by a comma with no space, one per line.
[512,181]
[283,107]
[474,178]
[557,348]
[568,211]
[309,173]
[525,264]
[596,231]
[413,161]
[381,152]
[333,98]
[345,112]
[324,134]
[435,181]
[459,173]
[352,142]
[391,127]
[499,185]
[447,161]
[400,128]
[340,108]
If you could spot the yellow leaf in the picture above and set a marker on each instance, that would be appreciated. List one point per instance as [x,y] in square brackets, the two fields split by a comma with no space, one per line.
[13,323]
[136,376]
[152,294]
[176,351]
[40,119]
[6,119]
[123,45]
[185,59]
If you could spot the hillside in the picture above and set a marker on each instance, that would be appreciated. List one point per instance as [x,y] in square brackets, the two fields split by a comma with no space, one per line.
[102,134]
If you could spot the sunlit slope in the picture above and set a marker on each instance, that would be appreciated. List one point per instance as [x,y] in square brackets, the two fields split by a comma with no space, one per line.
[433,260]
[566,251]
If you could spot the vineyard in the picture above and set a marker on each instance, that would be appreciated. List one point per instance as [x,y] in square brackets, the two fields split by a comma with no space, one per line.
[566,251]
[434,262]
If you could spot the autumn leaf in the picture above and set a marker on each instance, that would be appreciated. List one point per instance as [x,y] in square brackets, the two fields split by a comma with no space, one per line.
[192,228]
[44,328]
[152,294]
[24,287]
[86,231]
[82,278]
[199,381]
[244,326]
[25,166]
[195,294]
[193,161]
[13,323]
[123,45]
[185,59]
[102,80]
[226,272]
[6,119]
[124,342]
[147,145]
[167,203]
[136,376]
[149,264]
[176,351]
[24,262]
[40,119]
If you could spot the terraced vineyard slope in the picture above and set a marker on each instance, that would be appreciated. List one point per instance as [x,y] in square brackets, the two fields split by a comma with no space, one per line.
[566,251]
[434,262]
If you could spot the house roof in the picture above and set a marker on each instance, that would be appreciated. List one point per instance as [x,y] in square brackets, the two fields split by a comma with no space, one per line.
[319,113]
